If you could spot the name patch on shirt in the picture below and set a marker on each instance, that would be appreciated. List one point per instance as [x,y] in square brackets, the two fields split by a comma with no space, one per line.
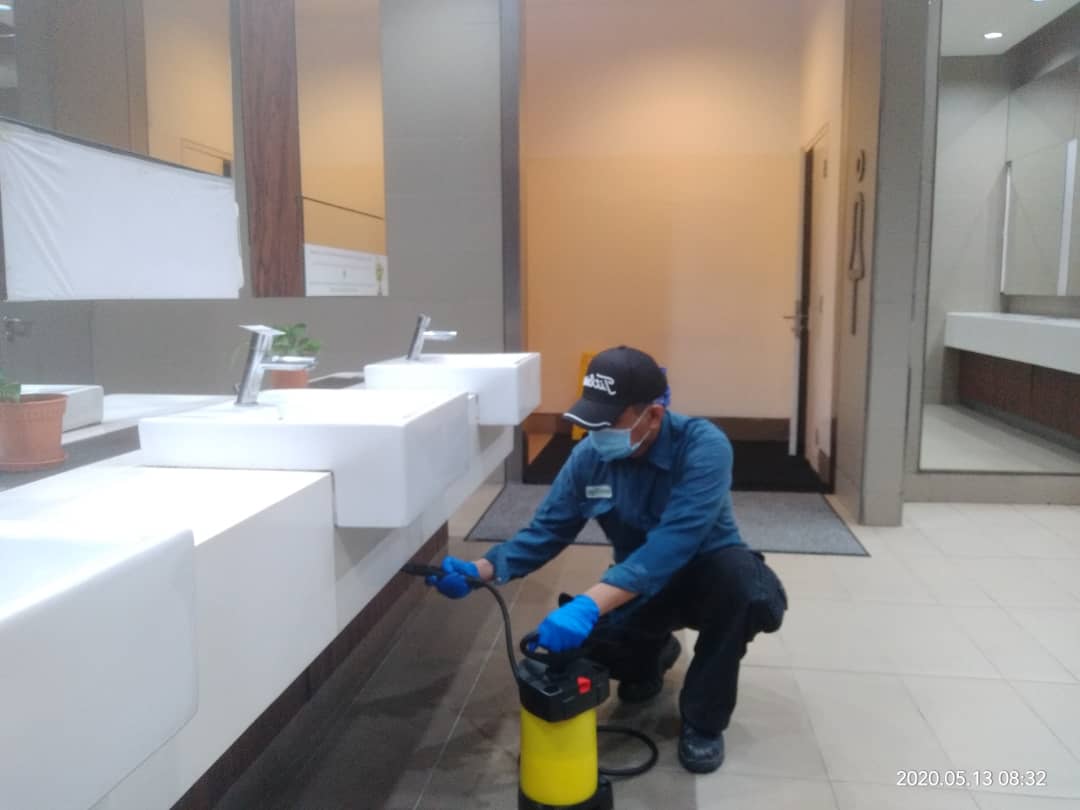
[601,491]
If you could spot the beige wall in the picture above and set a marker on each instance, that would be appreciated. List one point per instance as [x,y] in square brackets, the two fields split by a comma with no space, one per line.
[661,177]
[341,122]
[188,80]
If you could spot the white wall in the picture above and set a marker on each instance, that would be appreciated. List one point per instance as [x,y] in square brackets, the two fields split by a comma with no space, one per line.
[822,112]
[661,177]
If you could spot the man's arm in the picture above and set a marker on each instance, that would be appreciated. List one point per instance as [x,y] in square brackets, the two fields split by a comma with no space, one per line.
[554,526]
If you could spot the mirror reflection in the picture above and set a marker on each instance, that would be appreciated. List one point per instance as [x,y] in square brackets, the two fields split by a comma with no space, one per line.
[147,76]
[339,84]
[1002,371]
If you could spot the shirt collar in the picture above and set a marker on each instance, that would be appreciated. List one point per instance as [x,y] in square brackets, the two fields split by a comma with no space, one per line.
[662,452]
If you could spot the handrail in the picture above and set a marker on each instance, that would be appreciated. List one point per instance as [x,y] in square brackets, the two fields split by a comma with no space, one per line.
[344,208]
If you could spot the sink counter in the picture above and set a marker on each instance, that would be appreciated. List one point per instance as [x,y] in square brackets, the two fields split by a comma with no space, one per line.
[1032,339]
[276,582]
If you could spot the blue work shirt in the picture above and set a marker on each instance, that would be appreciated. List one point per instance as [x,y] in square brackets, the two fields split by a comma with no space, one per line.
[659,511]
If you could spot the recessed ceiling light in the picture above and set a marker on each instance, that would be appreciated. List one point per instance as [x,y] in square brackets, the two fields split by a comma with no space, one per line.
[994,35]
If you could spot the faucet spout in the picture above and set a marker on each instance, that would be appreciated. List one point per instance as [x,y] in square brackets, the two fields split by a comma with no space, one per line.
[260,361]
[422,333]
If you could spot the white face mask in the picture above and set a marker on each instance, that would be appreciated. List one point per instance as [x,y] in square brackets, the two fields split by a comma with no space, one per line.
[613,444]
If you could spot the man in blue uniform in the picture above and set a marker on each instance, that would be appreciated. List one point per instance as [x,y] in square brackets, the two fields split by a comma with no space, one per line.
[659,485]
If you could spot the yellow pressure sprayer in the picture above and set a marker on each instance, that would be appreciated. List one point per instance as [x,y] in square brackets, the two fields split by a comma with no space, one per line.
[559,692]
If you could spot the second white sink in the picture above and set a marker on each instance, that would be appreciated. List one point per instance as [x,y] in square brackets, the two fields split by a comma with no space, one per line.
[391,452]
[507,386]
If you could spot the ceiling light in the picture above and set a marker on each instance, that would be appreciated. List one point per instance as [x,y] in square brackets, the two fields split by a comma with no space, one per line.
[994,35]
[6,7]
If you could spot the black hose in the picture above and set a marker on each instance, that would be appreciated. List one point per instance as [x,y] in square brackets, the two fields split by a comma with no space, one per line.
[634,770]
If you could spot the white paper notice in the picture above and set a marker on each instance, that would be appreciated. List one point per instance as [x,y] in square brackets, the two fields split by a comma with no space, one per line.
[333,271]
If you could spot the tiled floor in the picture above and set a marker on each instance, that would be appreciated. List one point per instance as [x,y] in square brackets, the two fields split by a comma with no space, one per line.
[958,438]
[956,646]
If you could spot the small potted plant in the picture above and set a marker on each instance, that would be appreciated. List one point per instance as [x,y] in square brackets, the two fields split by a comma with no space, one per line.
[294,343]
[30,428]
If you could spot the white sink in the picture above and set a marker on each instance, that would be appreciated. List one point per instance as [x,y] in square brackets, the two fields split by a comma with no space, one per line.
[97,635]
[85,405]
[507,386]
[391,452]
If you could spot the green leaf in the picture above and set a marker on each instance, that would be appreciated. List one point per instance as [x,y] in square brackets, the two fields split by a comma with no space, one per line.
[295,341]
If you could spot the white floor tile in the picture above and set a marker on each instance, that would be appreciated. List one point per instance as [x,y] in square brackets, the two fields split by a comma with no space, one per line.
[809,576]
[1064,520]
[970,540]
[948,580]
[727,791]
[1001,801]
[879,579]
[1057,630]
[1010,648]
[770,733]
[868,726]
[958,438]
[986,725]
[882,638]
[901,541]
[860,796]
[1059,707]
[1019,583]
[1065,573]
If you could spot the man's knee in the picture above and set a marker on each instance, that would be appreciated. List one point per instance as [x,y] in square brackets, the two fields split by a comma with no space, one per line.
[739,583]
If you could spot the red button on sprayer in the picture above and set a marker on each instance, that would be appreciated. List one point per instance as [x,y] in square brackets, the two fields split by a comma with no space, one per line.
[583,685]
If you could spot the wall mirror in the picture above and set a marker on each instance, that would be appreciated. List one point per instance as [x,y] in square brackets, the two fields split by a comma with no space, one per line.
[1001,381]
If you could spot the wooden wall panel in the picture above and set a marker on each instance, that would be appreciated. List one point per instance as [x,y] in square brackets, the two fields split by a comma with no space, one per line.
[266,30]
[1042,395]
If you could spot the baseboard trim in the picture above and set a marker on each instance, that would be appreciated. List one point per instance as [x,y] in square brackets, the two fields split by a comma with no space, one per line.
[367,628]
[737,428]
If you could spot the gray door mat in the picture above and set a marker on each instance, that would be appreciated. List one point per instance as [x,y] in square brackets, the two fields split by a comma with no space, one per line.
[776,522]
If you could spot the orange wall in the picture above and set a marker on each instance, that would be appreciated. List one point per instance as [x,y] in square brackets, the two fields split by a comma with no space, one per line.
[661,181]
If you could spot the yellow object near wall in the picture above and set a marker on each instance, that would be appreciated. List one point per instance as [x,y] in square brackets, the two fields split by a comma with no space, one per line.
[578,433]
[558,760]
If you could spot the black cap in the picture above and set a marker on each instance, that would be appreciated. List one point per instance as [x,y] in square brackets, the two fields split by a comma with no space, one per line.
[616,379]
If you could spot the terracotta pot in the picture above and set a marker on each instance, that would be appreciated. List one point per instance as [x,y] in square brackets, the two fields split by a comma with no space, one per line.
[30,432]
[297,378]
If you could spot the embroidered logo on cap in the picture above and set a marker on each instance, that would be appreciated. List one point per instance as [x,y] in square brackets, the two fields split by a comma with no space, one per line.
[601,382]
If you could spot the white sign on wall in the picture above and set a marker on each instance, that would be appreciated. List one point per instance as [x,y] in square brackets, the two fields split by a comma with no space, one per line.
[333,271]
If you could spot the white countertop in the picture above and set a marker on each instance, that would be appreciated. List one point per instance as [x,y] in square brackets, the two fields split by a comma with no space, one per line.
[125,410]
[119,492]
[1034,339]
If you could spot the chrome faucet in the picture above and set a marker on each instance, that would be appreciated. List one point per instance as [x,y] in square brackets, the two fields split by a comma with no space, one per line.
[422,333]
[259,361]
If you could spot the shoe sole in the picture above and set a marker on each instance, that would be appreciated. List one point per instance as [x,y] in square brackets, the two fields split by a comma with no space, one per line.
[695,767]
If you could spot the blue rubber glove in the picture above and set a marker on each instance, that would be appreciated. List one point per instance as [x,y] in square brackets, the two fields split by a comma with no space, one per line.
[566,628]
[452,584]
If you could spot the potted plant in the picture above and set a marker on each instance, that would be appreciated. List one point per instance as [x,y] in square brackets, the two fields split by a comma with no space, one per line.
[30,428]
[294,343]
